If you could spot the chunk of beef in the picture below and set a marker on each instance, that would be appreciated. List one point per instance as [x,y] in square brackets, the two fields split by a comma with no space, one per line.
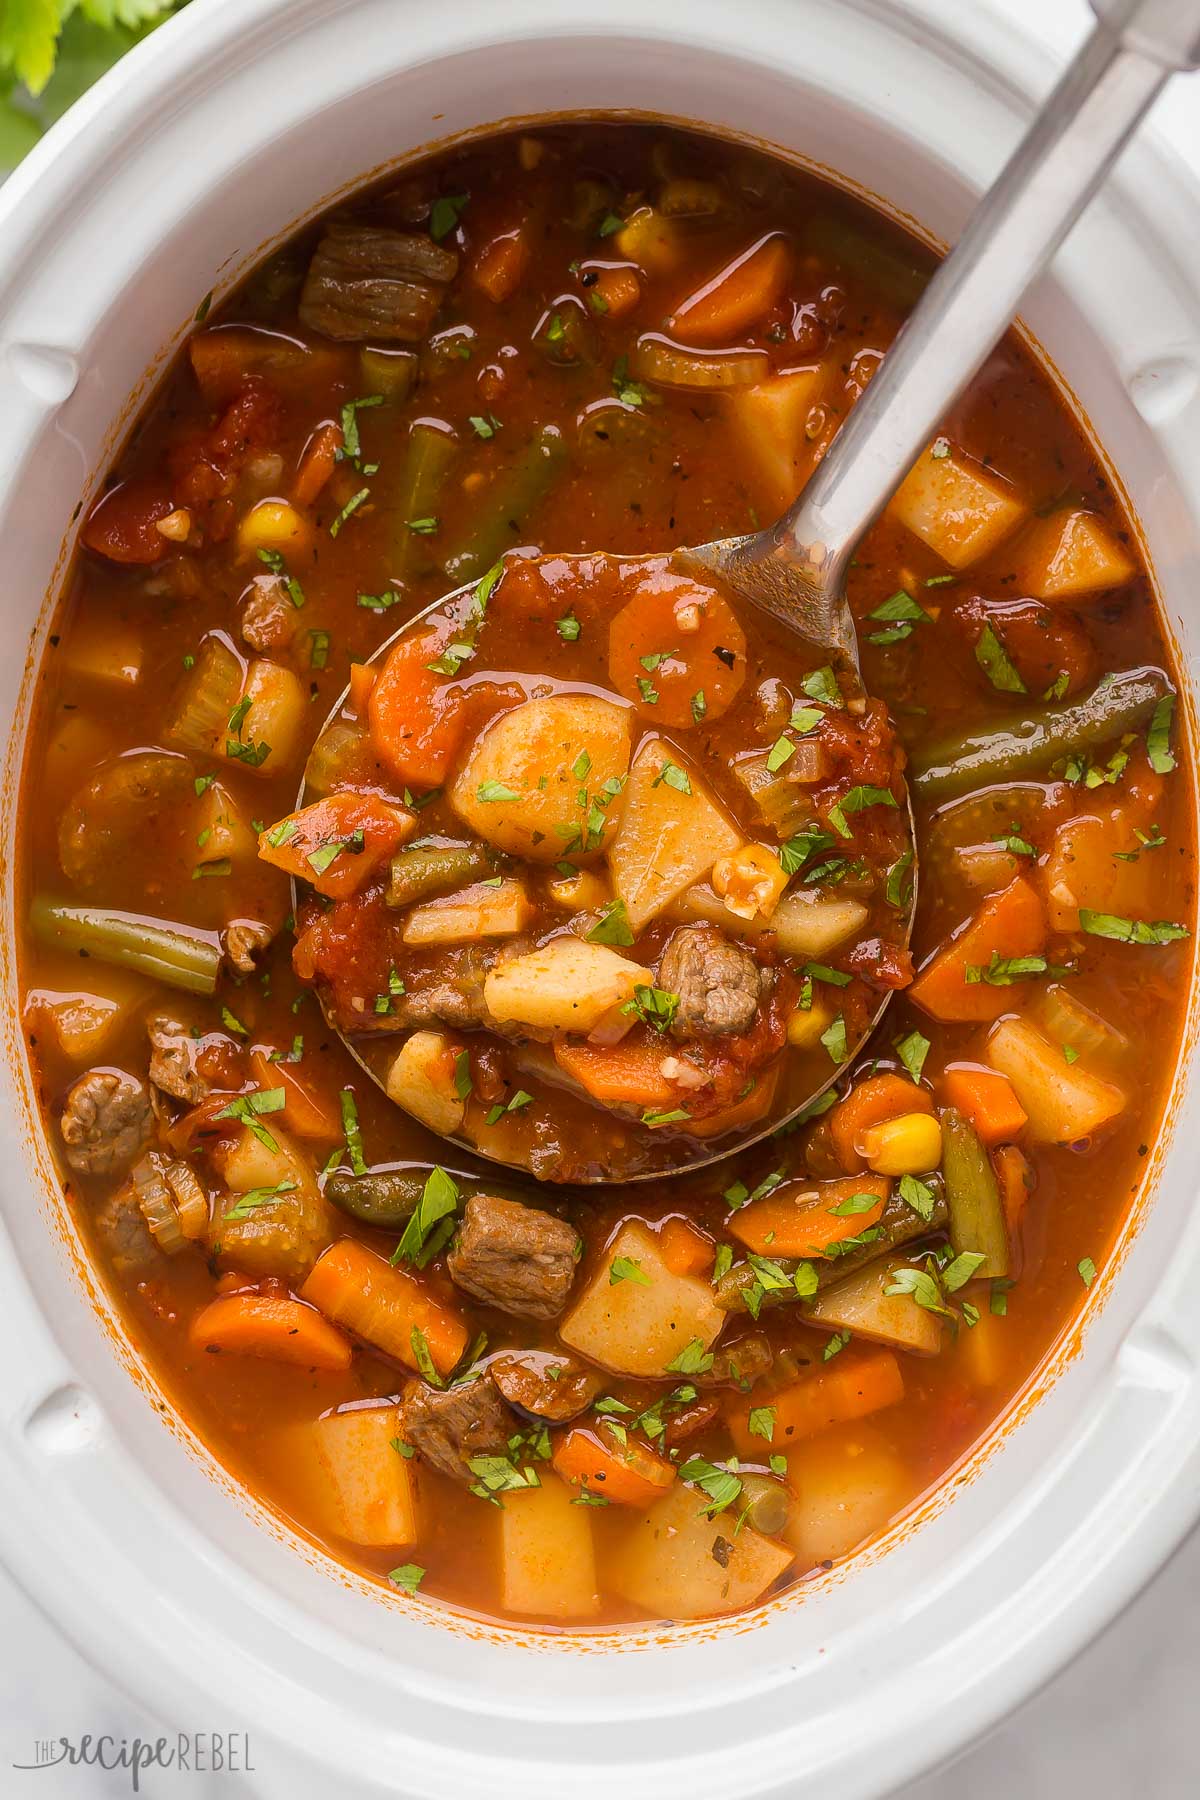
[739,1364]
[514,1257]
[544,1384]
[369,282]
[719,984]
[447,1426]
[453,997]
[268,617]
[125,1235]
[173,1054]
[243,942]
[106,1120]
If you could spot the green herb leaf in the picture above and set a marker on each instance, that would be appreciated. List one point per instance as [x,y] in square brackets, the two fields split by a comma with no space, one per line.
[1158,736]
[997,664]
[912,1051]
[919,1195]
[627,1268]
[693,1359]
[762,1422]
[1087,1271]
[444,215]
[439,1201]
[495,792]
[352,1132]
[408,1577]
[822,685]
[857,800]
[1130,931]
[568,628]
[835,1042]
[612,927]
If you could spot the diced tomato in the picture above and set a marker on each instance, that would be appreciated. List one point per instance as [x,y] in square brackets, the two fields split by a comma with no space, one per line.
[122,526]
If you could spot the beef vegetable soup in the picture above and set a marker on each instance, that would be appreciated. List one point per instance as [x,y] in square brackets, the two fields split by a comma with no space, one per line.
[589,864]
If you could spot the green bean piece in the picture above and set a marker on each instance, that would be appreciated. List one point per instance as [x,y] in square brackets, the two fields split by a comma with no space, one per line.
[427,461]
[432,866]
[386,1200]
[1028,743]
[183,959]
[973,1197]
[898,1225]
[507,504]
[764,1504]
[888,271]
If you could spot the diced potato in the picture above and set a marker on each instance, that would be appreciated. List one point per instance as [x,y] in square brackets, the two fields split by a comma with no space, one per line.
[274,525]
[283,1235]
[546,779]
[221,828]
[77,744]
[862,1306]
[805,923]
[421,1080]
[565,985]
[848,1484]
[678,1563]
[956,506]
[100,648]
[672,833]
[1063,1101]
[1070,554]
[358,1486]
[979,1351]
[547,1556]
[650,240]
[768,424]
[277,716]
[637,1328]
[81,1024]
[478,911]
[1081,871]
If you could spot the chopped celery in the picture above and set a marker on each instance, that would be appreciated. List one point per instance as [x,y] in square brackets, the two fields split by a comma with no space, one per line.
[182,959]
[210,694]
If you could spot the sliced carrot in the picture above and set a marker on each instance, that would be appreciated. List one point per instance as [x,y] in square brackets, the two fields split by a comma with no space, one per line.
[363,677]
[869,1103]
[626,1474]
[317,463]
[801,1218]
[416,718]
[737,296]
[989,1100]
[1015,1176]
[305,1110]
[618,290]
[499,267]
[1009,924]
[618,1074]
[684,627]
[273,1326]
[123,526]
[685,1249]
[752,1107]
[337,843]
[387,1307]
[857,1383]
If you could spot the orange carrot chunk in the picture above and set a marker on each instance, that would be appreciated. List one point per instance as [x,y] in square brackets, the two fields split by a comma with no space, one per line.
[305,1110]
[498,269]
[387,1307]
[416,717]
[626,1474]
[869,1103]
[953,985]
[665,642]
[618,1074]
[859,1382]
[337,843]
[803,1218]
[618,292]
[987,1099]
[737,296]
[271,1326]
[317,463]
[686,1250]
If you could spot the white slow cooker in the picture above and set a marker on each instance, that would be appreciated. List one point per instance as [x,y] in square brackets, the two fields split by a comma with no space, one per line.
[203,149]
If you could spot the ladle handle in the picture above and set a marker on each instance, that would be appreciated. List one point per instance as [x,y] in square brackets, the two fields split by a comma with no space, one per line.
[1013,233]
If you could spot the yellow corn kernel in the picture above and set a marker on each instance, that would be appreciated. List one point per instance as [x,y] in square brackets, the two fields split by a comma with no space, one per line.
[580,892]
[750,881]
[804,1028]
[273,525]
[909,1145]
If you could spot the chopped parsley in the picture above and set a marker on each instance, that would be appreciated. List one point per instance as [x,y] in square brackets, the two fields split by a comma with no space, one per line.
[568,628]
[444,215]
[613,927]
[352,1132]
[997,664]
[1130,931]
[857,800]
[1158,736]
[431,1223]
[277,566]
[912,1051]
[627,1268]
[898,615]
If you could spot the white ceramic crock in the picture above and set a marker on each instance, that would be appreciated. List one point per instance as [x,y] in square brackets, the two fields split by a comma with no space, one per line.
[209,143]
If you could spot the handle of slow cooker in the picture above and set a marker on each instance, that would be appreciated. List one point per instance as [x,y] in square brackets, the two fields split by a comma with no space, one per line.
[1010,238]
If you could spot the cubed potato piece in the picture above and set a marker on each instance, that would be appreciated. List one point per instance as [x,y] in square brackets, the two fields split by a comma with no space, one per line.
[1069,554]
[361,1487]
[77,745]
[103,649]
[637,1328]
[81,1024]
[276,717]
[1081,871]
[478,911]
[222,828]
[979,1351]
[848,1484]
[421,1080]
[672,832]
[677,1563]
[805,923]
[565,985]
[1063,1101]
[862,1306]
[547,1555]
[768,424]
[546,779]
[956,506]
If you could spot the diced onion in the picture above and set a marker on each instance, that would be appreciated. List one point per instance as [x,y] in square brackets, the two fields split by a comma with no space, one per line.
[191,1202]
[157,1205]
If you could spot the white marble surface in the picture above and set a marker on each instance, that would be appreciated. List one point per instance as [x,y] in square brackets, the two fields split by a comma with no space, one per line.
[1119,1722]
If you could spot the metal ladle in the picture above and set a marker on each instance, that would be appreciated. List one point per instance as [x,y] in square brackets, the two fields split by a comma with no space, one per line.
[796,569]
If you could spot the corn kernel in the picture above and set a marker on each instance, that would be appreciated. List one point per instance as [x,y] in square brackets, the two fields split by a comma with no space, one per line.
[804,1028]
[273,525]
[750,881]
[909,1145]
